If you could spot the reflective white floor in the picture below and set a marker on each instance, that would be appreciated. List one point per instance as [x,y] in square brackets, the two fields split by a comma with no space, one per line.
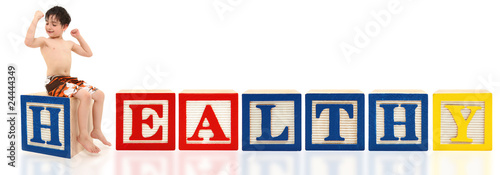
[110,161]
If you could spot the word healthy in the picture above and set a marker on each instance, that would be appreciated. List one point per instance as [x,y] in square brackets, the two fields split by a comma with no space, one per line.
[270,120]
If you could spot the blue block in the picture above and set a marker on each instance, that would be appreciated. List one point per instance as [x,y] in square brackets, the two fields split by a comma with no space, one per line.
[46,114]
[327,132]
[402,116]
[271,121]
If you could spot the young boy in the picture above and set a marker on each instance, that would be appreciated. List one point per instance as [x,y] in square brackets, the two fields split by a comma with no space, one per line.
[57,55]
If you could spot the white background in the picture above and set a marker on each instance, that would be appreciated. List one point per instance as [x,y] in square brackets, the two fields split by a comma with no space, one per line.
[278,44]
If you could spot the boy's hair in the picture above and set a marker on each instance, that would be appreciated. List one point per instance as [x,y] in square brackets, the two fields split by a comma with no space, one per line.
[60,14]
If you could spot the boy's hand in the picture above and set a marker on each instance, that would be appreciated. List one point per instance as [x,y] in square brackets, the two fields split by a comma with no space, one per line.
[38,15]
[75,33]
[83,49]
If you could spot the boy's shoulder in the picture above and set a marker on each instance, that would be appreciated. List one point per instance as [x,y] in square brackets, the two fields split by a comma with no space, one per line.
[69,42]
[66,43]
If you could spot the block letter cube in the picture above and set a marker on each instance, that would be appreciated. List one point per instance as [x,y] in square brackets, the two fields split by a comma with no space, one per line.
[335,120]
[271,120]
[49,125]
[462,120]
[208,120]
[145,120]
[398,120]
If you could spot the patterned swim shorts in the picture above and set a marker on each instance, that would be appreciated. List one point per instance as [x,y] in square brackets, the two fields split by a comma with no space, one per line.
[65,86]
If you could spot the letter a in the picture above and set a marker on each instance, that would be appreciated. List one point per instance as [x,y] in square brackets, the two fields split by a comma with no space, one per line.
[209,114]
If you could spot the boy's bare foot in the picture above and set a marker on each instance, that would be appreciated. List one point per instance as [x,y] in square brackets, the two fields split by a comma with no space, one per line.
[97,134]
[88,144]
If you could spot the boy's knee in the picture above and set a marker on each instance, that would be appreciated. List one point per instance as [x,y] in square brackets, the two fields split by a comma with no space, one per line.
[98,95]
[83,96]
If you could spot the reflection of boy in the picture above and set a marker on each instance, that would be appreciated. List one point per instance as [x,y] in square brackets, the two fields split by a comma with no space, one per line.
[57,55]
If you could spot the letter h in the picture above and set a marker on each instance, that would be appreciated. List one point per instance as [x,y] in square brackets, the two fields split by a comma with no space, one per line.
[54,125]
[389,121]
[384,120]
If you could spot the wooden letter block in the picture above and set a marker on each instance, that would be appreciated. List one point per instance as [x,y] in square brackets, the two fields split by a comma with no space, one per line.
[145,120]
[49,125]
[335,120]
[462,120]
[271,120]
[208,120]
[398,120]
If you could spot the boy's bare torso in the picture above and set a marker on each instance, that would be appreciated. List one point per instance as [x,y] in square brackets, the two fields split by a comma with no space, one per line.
[57,56]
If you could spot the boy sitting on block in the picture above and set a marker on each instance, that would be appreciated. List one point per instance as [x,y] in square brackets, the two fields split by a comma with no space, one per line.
[57,55]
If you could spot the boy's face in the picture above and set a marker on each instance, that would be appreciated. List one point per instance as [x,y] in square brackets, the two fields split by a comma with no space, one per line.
[53,27]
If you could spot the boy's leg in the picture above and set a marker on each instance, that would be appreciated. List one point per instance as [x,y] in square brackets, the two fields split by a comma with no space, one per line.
[83,118]
[98,97]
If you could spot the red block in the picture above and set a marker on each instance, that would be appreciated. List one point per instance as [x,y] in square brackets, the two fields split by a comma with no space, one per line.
[208,120]
[145,120]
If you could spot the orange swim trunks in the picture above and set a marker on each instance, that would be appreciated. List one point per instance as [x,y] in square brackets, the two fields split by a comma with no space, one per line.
[65,86]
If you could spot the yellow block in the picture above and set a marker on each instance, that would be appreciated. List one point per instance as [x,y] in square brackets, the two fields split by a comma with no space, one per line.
[462,120]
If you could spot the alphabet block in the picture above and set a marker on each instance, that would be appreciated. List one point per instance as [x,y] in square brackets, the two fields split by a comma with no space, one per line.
[208,120]
[462,120]
[335,120]
[49,125]
[271,120]
[145,120]
[398,120]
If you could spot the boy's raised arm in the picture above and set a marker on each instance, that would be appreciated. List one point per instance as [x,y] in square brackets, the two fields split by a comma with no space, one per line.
[30,40]
[83,49]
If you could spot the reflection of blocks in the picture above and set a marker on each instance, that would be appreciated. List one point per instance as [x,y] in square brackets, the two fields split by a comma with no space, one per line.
[339,162]
[36,164]
[208,120]
[208,162]
[145,120]
[463,162]
[398,120]
[462,120]
[271,120]
[383,163]
[143,162]
[271,163]
[49,125]
[335,120]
